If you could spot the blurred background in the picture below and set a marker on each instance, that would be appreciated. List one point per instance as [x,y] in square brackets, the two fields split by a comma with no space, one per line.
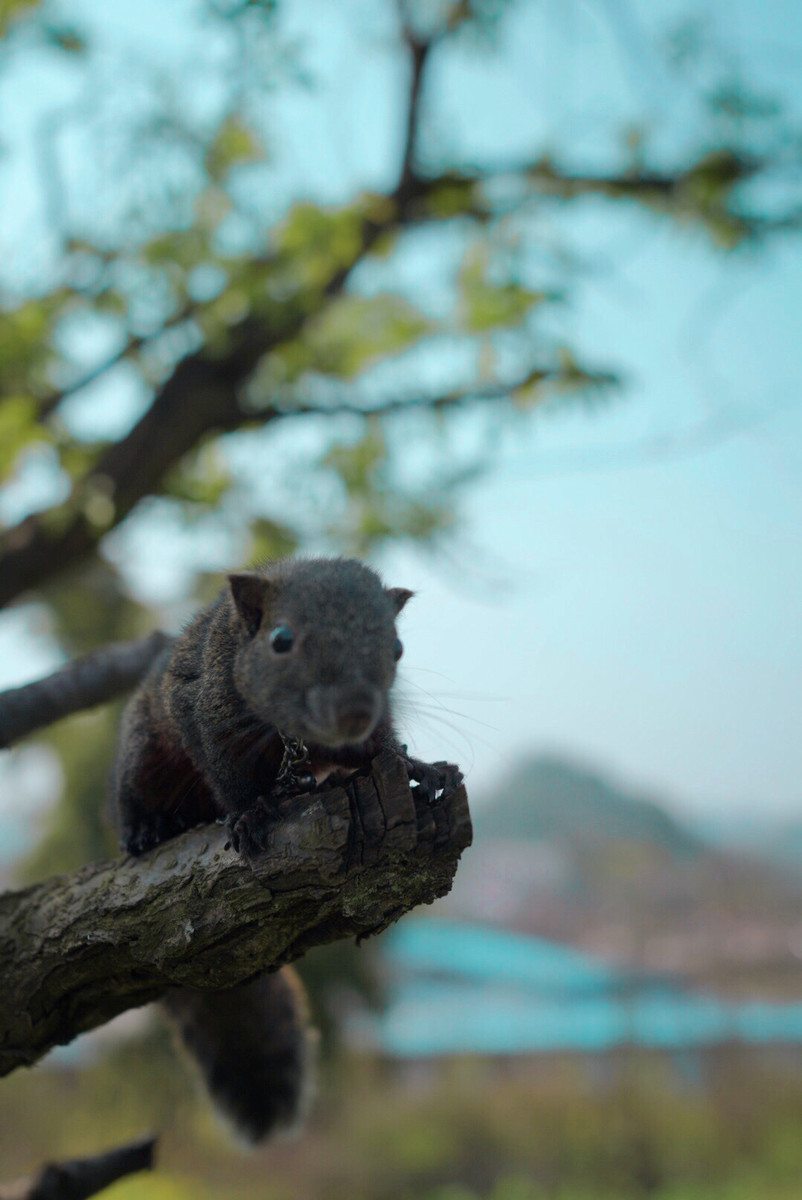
[502,295]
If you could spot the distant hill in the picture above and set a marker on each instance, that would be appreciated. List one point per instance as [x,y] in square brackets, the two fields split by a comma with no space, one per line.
[548,798]
[773,839]
[564,853]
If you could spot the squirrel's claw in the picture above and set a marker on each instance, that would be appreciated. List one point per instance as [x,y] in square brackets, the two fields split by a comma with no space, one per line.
[250,831]
[149,832]
[433,778]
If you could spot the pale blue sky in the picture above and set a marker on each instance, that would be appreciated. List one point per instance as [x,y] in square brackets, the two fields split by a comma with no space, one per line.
[609,597]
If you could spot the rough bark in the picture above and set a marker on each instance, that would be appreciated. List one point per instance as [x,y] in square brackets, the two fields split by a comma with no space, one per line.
[344,862]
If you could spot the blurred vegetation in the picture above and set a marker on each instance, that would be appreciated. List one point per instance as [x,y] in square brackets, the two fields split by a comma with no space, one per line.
[298,372]
[167,271]
[561,1130]
[295,378]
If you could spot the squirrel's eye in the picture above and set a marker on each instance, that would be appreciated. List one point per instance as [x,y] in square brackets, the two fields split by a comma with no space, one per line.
[398,649]
[281,639]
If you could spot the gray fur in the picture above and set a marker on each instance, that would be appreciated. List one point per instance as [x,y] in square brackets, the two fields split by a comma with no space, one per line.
[200,740]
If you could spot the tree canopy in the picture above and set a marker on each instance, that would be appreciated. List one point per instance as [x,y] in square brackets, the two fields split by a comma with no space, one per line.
[285,364]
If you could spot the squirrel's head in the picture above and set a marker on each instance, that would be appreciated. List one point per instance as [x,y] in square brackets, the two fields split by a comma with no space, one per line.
[318,647]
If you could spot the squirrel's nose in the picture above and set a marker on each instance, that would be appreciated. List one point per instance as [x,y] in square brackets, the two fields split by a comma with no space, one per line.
[357,711]
[336,715]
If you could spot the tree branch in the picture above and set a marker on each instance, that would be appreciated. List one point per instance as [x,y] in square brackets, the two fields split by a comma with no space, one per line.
[344,862]
[51,400]
[79,1178]
[202,396]
[483,393]
[87,681]
[419,51]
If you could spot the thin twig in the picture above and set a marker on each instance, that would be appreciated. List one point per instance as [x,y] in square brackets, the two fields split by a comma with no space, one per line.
[419,51]
[486,393]
[79,1178]
[53,399]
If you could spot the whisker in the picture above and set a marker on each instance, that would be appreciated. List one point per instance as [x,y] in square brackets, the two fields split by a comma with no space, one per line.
[402,701]
[489,696]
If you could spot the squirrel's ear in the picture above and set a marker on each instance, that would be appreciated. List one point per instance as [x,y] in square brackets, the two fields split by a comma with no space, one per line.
[249,591]
[399,597]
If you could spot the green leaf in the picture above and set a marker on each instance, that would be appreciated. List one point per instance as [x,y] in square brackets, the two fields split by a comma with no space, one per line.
[314,243]
[706,194]
[24,342]
[358,463]
[19,427]
[234,143]
[529,394]
[355,331]
[486,304]
[578,381]
[452,197]
[387,515]
[349,335]
[377,510]
[201,480]
[184,248]
[269,540]
[76,458]
[14,10]
[212,206]
[110,301]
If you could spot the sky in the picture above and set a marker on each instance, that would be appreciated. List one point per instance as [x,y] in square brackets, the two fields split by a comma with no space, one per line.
[625,586]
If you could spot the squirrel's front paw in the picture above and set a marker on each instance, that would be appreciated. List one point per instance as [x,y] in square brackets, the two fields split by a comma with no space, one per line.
[250,831]
[148,832]
[433,778]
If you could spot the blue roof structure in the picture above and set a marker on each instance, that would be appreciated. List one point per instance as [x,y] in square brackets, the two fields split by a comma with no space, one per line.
[480,952]
[466,989]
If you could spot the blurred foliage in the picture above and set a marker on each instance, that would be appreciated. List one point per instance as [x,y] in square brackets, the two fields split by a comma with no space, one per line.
[78,829]
[189,263]
[376,508]
[488,303]
[14,10]
[624,1128]
[87,608]
[178,265]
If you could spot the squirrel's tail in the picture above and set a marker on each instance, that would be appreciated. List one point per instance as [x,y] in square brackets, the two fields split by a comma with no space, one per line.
[254,1048]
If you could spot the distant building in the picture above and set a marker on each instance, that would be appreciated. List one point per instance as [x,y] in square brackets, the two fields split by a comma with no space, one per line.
[456,989]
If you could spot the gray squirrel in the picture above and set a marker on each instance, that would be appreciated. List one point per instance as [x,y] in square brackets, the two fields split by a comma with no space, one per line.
[304,652]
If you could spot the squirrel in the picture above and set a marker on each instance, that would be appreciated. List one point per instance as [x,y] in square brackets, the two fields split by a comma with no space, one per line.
[301,652]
